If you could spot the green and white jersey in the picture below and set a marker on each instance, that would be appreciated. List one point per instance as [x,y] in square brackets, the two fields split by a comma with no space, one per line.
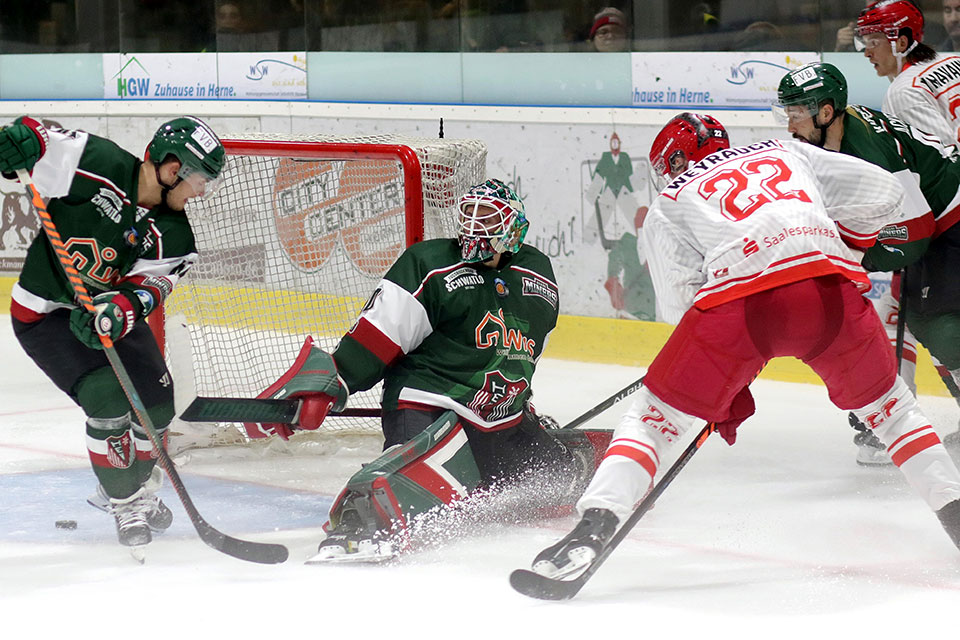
[92,184]
[444,333]
[928,170]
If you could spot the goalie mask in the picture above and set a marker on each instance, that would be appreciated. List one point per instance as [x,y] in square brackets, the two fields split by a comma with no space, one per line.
[196,146]
[491,221]
[689,137]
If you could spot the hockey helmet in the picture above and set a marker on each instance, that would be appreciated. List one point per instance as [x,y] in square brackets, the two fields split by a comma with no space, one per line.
[196,146]
[803,91]
[688,137]
[491,221]
[889,17]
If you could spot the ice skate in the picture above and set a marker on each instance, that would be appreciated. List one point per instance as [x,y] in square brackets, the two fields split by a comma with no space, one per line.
[870,451]
[157,514]
[949,517]
[351,542]
[131,521]
[569,557]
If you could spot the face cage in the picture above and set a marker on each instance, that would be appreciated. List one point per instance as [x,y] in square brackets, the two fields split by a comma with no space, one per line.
[661,176]
[480,234]
[200,182]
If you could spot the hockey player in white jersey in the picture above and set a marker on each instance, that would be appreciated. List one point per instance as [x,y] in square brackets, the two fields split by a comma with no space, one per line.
[924,85]
[755,255]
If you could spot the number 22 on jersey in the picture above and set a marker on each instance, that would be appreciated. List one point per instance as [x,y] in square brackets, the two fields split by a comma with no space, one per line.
[772,173]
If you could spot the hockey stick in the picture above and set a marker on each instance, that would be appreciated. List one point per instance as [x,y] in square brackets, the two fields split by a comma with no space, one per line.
[604,242]
[606,404]
[282,411]
[287,410]
[264,553]
[537,586]
[901,317]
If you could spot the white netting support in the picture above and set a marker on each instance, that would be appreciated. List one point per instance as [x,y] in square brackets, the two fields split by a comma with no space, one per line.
[292,245]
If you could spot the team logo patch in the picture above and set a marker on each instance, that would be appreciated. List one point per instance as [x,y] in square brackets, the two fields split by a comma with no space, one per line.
[130,237]
[356,205]
[501,287]
[120,451]
[541,289]
[109,203]
[495,399]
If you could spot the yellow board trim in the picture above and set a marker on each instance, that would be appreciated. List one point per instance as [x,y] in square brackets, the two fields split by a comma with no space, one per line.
[624,342]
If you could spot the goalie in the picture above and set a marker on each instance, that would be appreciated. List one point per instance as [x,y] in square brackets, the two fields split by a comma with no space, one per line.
[454,330]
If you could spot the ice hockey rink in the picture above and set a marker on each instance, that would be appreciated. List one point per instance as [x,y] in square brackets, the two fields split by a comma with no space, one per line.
[782,535]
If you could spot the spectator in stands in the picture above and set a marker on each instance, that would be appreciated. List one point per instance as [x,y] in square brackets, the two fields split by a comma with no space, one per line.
[610,31]
[951,22]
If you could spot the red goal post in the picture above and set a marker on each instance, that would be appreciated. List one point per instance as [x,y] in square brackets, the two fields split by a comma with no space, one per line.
[291,245]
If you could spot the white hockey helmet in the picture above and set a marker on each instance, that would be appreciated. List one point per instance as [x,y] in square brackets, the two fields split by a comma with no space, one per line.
[491,221]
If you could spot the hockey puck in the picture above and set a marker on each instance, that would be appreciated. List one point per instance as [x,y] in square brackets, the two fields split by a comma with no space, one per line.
[66,524]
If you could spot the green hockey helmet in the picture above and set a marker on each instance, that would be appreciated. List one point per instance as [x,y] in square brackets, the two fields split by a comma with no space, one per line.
[196,146]
[803,91]
[491,221]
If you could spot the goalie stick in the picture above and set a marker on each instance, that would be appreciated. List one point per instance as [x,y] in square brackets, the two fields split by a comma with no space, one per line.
[264,553]
[537,586]
[287,410]
[282,410]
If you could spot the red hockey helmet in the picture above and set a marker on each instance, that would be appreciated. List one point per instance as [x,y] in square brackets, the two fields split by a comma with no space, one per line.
[889,17]
[688,137]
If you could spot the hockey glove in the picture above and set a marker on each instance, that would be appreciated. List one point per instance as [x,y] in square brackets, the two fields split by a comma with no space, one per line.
[312,379]
[115,318]
[21,145]
[741,408]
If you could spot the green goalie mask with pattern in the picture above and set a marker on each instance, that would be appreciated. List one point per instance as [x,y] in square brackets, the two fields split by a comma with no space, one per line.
[196,146]
[491,221]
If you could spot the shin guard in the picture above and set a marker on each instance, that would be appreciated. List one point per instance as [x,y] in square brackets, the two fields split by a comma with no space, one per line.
[913,445]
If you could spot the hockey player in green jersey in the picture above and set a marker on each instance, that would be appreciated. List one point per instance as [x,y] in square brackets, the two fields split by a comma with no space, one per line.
[122,221]
[454,330]
[813,103]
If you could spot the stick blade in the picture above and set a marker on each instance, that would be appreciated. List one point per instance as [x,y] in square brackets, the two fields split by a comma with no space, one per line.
[240,410]
[259,552]
[540,587]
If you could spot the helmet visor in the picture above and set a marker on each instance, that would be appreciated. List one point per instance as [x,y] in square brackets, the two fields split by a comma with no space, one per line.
[869,39]
[202,184]
[795,111]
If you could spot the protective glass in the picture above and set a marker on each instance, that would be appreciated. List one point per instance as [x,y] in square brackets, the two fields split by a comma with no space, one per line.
[786,114]
[869,40]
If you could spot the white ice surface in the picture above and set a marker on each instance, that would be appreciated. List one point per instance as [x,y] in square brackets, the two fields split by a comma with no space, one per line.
[782,535]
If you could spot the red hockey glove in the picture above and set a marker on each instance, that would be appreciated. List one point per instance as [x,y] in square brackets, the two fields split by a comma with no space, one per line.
[313,379]
[741,408]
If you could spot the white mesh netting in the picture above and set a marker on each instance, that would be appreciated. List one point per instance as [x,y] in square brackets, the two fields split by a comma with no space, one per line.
[292,245]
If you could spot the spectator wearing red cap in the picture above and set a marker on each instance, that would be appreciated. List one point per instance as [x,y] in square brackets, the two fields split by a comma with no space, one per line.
[609,31]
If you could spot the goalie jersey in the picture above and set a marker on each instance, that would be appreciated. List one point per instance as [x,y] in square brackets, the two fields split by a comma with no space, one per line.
[752,218]
[443,333]
[93,186]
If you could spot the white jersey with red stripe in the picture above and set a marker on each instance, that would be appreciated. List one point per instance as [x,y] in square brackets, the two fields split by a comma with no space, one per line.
[763,215]
[927,96]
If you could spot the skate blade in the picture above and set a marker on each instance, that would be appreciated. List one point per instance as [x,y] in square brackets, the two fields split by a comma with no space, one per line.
[139,553]
[352,558]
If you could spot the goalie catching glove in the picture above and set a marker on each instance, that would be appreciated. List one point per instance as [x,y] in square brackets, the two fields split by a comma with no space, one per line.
[116,315]
[313,380]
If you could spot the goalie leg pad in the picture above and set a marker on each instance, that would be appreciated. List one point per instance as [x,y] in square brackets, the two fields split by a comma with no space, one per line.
[435,468]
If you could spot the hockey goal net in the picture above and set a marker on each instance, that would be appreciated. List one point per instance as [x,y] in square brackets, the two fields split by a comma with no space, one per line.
[292,245]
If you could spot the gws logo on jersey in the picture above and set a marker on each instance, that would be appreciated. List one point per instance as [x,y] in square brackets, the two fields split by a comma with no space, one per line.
[462,277]
[495,400]
[109,203]
[492,332]
[357,204]
[541,289]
